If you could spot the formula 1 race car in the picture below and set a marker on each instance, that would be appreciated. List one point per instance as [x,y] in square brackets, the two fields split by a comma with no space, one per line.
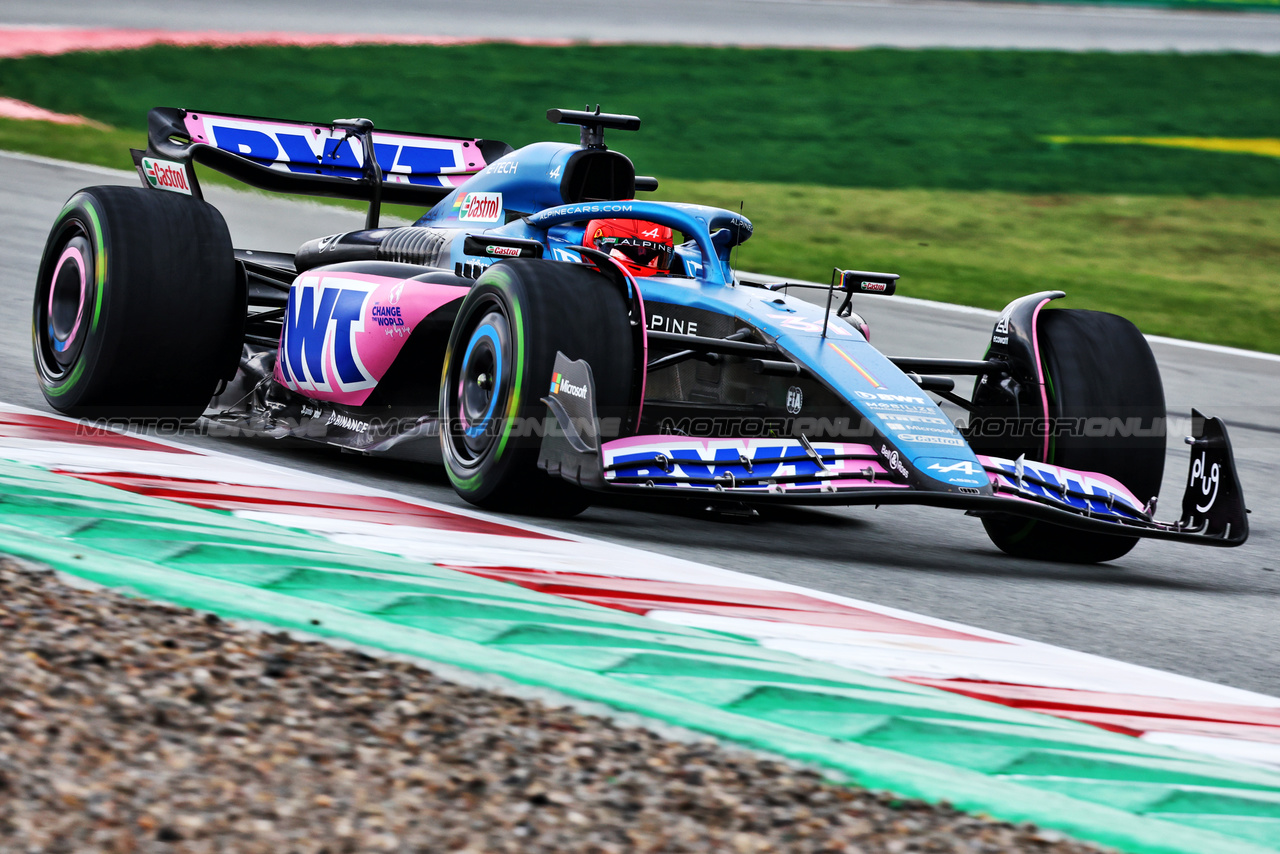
[544,335]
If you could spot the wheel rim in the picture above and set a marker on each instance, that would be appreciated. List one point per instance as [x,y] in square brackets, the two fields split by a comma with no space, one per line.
[63,303]
[479,385]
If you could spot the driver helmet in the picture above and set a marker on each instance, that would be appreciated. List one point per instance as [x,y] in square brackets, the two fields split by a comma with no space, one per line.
[644,248]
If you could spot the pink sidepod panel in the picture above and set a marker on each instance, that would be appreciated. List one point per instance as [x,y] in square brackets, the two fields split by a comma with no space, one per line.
[342,331]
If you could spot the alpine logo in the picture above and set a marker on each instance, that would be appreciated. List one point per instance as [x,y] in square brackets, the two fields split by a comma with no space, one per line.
[479,207]
[559,385]
[317,349]
[963,466]
[166,175]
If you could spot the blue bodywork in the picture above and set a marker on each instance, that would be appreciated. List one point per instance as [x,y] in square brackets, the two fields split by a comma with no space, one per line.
[535,203]
[529,183]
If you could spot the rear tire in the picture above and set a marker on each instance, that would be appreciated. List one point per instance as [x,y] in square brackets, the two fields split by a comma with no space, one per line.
[1098,365]
[138,310]
[498,366]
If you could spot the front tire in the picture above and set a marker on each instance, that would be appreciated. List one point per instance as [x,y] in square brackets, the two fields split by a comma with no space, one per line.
[1097,366]
[498,366]
[137,306]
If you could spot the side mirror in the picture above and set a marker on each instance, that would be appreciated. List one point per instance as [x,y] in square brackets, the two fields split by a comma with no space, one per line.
[863,282]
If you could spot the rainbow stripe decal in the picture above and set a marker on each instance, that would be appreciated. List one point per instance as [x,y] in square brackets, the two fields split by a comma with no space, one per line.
[866,376]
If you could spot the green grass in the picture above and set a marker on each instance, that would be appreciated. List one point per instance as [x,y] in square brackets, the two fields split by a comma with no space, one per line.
[1203,269]
[932,159]
[944,119]
[72,142]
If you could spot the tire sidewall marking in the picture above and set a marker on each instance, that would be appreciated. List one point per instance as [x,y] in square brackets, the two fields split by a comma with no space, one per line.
[80,208]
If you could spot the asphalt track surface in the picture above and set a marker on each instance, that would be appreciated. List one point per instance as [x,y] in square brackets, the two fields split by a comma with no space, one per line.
[1203,612]
[825,23]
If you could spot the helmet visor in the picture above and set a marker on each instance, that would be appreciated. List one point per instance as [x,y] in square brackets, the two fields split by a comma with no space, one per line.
[645,253]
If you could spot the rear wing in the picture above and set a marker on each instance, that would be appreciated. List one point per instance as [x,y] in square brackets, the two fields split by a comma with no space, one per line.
[317,159]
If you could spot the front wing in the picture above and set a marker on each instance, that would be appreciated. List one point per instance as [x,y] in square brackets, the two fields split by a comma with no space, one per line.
[798,471]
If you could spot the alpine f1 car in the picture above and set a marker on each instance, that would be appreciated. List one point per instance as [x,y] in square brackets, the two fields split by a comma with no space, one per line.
[542,333]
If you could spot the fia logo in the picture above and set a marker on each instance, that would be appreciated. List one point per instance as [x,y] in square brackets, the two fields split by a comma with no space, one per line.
[1205,477]
[795,400]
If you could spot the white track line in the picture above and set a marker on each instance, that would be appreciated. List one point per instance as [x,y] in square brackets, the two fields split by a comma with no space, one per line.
[882,640]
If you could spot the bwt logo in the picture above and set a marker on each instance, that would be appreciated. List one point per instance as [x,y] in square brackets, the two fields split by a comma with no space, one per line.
[309,153]
[765,461]
[317,350]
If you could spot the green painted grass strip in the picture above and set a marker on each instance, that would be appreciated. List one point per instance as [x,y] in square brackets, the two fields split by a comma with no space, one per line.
[882,733]
[939,118]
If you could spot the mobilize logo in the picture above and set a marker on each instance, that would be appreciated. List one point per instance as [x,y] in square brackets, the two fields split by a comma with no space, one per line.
[560,385]
[479,207]
[166,175]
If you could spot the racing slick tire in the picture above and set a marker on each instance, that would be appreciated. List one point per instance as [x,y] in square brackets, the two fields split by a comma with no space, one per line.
[498,366]
[138,307]
[1097,366]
